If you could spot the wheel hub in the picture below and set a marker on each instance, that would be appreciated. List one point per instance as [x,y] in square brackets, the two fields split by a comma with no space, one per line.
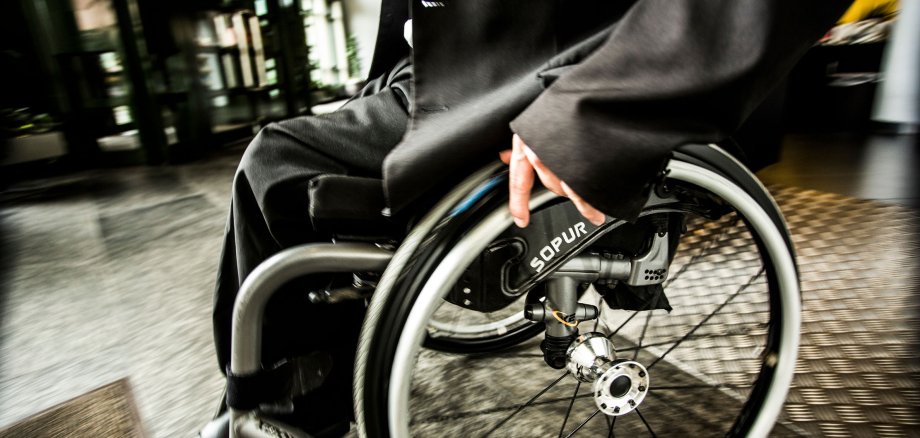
[622,388]
[619,385]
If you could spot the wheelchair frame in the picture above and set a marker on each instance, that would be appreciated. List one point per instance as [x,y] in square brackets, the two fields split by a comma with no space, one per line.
[356,257]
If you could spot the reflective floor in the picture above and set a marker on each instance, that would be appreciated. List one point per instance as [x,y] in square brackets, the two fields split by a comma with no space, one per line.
[881,167]
[108,274]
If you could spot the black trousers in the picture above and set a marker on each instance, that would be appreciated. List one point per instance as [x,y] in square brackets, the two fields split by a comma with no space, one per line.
[269,212]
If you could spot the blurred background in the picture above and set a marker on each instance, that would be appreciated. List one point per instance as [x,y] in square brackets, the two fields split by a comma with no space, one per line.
[122,122]
[110,82]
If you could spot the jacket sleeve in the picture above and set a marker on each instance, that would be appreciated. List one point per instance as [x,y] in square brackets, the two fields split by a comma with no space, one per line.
[671,72]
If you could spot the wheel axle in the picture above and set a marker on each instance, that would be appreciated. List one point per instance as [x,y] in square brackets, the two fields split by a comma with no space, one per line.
[619,385]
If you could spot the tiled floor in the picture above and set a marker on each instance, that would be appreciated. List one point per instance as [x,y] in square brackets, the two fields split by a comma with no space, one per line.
[108,274]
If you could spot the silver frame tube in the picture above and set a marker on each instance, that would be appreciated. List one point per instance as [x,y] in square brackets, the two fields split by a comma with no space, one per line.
[268,277]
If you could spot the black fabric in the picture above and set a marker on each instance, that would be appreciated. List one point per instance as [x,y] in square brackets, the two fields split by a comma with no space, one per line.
[443,146]
[617,116]
[246,392]
[670,72]
[638,298]
[469,84]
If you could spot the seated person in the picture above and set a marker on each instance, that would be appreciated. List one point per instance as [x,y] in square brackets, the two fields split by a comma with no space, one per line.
[592,95]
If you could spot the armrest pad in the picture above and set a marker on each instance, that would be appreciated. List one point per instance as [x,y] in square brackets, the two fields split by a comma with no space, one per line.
[350,207]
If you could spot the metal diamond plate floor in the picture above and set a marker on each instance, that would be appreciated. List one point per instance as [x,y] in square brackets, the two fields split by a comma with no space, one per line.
[858,373]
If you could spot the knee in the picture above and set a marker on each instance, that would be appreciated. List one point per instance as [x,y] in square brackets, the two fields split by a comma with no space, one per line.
[253,174]
[259,153]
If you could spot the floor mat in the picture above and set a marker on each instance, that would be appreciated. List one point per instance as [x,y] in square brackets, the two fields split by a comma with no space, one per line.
[105,412]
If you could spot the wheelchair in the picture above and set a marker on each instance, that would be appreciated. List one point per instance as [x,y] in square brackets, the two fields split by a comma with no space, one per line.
[683,322]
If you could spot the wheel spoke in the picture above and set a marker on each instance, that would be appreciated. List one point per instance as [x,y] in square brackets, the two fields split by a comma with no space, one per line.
[569,410]
[583,423]
[611,421]
[717,310]
[467,414]
[648,319]
[611,335]
[529,402]
[646,423]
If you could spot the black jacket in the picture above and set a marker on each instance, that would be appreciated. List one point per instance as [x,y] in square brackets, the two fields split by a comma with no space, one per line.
[601,90]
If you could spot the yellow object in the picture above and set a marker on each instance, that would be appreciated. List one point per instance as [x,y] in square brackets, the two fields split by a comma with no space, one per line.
[862,9]
[563,321]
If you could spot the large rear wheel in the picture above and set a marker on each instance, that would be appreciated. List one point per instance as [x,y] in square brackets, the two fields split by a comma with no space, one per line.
[720,363]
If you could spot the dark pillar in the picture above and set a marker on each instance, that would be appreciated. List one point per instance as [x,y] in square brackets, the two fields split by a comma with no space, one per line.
[146,111]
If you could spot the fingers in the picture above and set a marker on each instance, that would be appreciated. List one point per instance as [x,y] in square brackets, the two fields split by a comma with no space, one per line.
[520,178]
[547,177]
[523,164]
[590,213]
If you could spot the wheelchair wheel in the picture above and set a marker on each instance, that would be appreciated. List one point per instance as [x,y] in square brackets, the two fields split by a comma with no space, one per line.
[720,363]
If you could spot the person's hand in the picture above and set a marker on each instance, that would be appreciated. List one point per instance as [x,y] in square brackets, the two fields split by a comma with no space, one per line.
[523,162]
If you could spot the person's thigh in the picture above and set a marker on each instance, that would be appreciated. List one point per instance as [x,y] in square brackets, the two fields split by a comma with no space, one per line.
[286,155]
